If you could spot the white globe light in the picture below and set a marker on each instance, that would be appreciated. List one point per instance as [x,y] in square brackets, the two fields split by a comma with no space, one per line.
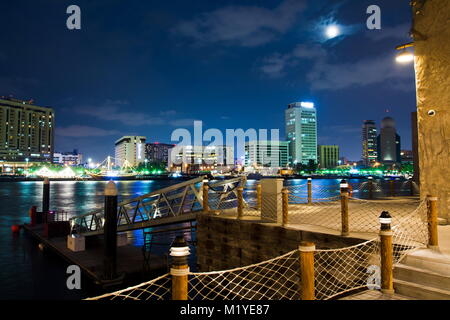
[332,31]
[405,57]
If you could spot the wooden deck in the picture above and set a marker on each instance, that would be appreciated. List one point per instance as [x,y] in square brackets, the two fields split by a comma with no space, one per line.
[130,258]
[375,295]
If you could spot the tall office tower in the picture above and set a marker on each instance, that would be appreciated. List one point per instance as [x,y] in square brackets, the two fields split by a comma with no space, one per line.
[158,152]
[301,132]
[130,149]
[267,153]
[328,156]
[388,143]
[369,142]
[26,131]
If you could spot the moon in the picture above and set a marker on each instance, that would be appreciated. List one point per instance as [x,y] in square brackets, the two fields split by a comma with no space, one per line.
[332,31]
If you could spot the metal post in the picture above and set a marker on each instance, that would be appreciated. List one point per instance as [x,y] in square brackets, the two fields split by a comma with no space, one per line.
[309,190]
[411,187]
[110,231]
[46,197]
[285,196]
[205,190]
[370,187]
[344,208]
[432,217]
[179,269]
[386,253]
[240,202]
[307,276]
[258,196]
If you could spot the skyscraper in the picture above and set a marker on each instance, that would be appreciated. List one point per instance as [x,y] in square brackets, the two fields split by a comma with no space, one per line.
[388,143]
[328,156]
[301,132]
[158,152]
[369,142]
[130,149]
[26,131]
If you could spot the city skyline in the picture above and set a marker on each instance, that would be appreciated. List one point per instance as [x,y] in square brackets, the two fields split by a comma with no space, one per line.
[277,63]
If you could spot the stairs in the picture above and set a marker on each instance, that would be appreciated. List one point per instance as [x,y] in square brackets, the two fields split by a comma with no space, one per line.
[424,275]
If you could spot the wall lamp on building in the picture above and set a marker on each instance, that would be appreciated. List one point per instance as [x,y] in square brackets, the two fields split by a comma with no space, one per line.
[404,56]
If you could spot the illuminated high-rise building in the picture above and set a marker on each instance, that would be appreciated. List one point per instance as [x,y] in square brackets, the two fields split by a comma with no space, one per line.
[388,143]
[369,143]
[26,131]
[301,132]
[328,156]
[130,149]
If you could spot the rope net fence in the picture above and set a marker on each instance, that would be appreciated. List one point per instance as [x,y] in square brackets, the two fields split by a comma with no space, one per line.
[275,279]
[156,289]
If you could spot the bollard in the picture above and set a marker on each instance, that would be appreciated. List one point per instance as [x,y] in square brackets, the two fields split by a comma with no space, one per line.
[46,197]
[307,276]
[309,190]
[386,253]
[179,270]
[370,187]
[285,195]
[344,208]
[110,231]
[411,187]
[258,196]
[432,218]
[33,216]
[392,187]
[205,189]
[240,202]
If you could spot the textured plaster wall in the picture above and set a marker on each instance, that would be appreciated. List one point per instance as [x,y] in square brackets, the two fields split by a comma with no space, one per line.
[431,18]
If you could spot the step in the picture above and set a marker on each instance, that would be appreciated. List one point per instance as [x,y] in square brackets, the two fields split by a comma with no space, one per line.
[420,292]
[421,276]
[429,260]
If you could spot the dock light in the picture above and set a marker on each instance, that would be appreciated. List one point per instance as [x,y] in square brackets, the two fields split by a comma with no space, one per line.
[385,220]
[370,178]
[404,56]
[343,184]
[179,251]
[309,179]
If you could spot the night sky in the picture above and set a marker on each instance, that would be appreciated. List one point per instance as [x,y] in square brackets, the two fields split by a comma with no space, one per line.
[149,67]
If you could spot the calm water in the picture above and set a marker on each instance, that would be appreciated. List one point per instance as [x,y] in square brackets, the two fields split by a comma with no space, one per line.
[28,273]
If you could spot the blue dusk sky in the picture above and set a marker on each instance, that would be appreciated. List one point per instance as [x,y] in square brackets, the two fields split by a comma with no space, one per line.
[150,67]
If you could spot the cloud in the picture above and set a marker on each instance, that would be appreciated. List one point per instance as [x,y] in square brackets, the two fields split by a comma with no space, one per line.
[246,26]
[182,122]
[325,75]
[277,65]
[77,131]
[110,111]
[373,70]
[399,32]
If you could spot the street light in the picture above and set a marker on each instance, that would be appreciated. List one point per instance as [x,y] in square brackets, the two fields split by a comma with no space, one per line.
[404,56]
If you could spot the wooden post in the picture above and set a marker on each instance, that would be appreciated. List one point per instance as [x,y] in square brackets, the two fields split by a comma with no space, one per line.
[432,217]
[344,208]
[386,253]
[285,196]
[179,269]
[33,216]
[309,190]
[205,190]
[258,196]
[46,197]
[370,187]
[240,202]
[307,276]
[110,231]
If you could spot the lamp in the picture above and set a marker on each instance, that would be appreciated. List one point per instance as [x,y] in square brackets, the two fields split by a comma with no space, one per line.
[385,220]
[179,251]
[404,56]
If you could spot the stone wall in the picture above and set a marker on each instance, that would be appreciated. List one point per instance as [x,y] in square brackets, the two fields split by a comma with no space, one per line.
[225,243]
[431,32]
